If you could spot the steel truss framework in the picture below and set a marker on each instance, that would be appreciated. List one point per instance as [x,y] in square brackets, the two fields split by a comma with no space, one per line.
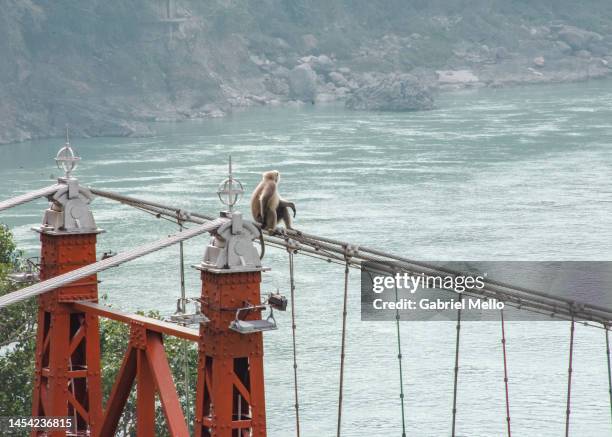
[230,388]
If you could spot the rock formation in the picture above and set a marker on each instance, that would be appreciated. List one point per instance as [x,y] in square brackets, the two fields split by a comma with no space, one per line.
[303,83]
[395,92]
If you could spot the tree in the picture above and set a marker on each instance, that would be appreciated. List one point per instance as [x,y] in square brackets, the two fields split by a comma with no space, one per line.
[17,338]
[18,341]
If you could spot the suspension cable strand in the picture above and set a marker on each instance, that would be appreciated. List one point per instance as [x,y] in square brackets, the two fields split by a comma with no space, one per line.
[569,378]
[342,350]
[28,197]
[607,328]
[183,305]
[293,328]
[399,359]
[456,372]
[183,308]
[503,342]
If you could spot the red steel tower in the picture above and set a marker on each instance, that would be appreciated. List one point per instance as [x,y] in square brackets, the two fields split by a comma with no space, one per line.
[230,400]
[67,372]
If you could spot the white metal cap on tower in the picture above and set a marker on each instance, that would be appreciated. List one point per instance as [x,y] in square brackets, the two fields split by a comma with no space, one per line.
[69,210]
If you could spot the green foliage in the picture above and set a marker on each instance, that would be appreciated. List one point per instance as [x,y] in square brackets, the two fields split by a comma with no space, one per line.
[18,342]
[17,338]
[16,374]
[7,246]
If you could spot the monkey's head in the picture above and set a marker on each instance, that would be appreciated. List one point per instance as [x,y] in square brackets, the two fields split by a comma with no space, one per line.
[272,175]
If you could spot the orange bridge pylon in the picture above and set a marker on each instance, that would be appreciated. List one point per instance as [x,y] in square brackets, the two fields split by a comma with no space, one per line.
[67,369]
[230,400]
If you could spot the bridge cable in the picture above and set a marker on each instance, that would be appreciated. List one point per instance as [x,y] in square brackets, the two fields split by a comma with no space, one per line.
[503,342]
[569,377]
[293,327]
[456,372]
[525,299]
[183,308]
[609,366]
[399,358]
[105,264]
[342,351]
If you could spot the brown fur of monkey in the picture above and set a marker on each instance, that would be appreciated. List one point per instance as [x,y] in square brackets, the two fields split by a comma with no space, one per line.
[267,207]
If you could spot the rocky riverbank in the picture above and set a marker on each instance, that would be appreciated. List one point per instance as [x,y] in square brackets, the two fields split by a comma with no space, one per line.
[558,53]
[115,75]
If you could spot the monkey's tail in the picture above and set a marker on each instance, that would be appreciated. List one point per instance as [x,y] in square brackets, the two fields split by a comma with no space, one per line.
[262,243]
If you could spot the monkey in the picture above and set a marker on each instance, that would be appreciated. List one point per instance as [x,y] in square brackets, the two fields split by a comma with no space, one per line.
[267,207]
[265,197]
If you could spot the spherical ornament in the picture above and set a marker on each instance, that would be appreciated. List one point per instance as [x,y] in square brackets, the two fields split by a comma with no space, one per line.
[230,192]
[67,160]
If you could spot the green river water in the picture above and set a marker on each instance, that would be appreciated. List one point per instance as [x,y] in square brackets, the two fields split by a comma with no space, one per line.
[510,174]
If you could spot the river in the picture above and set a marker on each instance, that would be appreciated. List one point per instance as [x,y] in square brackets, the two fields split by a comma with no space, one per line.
[494,174]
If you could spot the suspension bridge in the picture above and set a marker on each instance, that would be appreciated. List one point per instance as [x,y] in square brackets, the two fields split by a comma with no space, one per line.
[228,323]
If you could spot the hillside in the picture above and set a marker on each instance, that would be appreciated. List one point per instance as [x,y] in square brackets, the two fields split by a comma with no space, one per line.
[109,67]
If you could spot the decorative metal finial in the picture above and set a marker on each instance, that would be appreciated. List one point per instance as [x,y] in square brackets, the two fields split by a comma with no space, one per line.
[66,159]
[230,191]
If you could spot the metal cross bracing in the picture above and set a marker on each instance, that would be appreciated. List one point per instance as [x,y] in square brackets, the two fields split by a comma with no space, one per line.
[230,387]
